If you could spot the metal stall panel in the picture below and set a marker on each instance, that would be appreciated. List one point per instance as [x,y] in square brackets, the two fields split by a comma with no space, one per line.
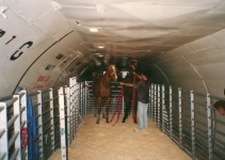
[63,136]
[43,124]
[13,133]
[116,91]
[218,129]
[193,122]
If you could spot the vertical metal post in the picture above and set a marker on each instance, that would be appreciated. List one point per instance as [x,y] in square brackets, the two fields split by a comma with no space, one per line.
[209,126]
[23,101]
[83,99]
[76,103]
[86,98]
[170,110]
[192,123]
[72,105]
[155,101]
[40,123]
[52,121]
[62,124]
[158,105]
[4,138]
[77,115]
[73,109]
[17,125]
[151,111]
[80,90]
[163,107]
[180,116]
[73,102]
[71,92]
[68,112]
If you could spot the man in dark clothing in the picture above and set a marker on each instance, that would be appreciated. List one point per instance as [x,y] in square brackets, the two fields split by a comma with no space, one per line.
[130,97]
[142,88]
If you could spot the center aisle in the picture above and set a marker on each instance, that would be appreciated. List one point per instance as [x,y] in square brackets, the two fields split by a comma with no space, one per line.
[107,142]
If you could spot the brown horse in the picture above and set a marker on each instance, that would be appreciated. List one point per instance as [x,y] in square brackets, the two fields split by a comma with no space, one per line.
[102,90]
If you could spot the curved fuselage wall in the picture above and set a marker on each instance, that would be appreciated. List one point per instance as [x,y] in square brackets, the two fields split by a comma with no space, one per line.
[41,49]
[197,65]
[37,45]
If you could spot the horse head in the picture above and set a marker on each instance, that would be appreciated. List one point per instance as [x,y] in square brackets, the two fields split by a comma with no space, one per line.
[113,72]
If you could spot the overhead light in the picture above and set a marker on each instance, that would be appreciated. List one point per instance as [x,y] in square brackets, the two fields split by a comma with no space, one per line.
[2,10]
[101,47]
[93,29]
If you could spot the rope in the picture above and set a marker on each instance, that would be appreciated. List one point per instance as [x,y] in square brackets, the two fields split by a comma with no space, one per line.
[134,99]
[119,106]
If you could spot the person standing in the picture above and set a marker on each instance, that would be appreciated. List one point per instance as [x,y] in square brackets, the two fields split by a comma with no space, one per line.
[142,88]
[130,97]
[220,106]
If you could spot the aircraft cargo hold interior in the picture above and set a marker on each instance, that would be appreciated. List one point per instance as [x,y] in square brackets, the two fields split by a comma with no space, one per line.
[51,50]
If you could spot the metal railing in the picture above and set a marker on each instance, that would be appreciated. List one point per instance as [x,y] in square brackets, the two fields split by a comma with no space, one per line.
[71,110]
[13,128]
[44,124]
[190,120]
[90,106]
[187,117]
[33,125]
[28,128]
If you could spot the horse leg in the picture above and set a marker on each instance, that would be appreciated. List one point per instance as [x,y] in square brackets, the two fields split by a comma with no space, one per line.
[103,108]
[95,106]
[99,109]
[107,109]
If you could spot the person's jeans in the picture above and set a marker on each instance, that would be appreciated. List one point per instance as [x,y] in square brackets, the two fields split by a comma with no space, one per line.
[142,115]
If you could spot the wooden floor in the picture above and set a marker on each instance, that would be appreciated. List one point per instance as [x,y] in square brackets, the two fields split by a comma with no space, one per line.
[119,142]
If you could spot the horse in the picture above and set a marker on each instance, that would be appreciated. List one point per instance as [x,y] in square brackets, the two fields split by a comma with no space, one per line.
[96,76]
[102,89]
